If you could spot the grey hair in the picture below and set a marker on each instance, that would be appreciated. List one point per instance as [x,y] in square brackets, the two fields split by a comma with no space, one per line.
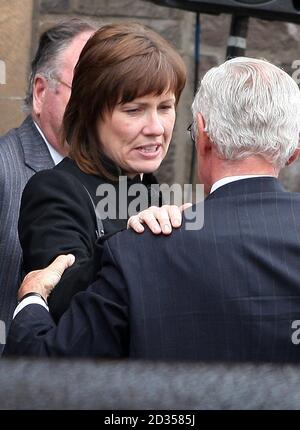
[250,107]
[51,44]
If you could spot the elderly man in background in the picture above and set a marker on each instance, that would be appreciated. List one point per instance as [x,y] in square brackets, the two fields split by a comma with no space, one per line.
[229,291]
[36,144]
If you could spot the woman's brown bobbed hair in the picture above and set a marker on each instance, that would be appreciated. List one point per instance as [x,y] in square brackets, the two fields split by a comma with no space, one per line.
[119,63]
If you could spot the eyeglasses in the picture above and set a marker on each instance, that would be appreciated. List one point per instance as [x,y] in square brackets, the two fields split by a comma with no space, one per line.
[62,82]
[191,130]
[52,78]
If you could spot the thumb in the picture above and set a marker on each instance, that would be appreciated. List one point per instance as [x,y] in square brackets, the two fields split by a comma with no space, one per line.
[61,263]
[43,281]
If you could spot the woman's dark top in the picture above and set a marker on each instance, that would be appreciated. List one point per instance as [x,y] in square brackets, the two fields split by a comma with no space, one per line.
[57,216]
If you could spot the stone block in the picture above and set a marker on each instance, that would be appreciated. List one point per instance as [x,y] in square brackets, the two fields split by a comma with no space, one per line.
[275,41]
[290,177]
[169,29]
[215,29]
[206,63]
[2,72]
[54,6]
[10,113]
[128,8]
[264,35]
[15,42]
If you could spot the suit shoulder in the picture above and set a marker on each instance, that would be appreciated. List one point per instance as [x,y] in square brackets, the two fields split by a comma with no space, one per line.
[11,155]
[129,240]
[9,143]
[293,195]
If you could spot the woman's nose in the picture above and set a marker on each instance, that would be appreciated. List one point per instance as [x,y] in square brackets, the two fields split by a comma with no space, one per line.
[154,125]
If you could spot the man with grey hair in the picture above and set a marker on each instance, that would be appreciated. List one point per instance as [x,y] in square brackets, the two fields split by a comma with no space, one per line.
[229,291]
[36,144]
[247,117]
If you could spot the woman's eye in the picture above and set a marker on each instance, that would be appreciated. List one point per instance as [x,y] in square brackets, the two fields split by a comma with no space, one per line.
[133,110]
[166,107]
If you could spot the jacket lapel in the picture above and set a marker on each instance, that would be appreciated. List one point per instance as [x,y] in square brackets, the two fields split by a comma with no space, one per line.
[36,153]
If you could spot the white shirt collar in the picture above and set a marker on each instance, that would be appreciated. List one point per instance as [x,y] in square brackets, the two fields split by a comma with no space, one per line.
[229,179]
[56,156]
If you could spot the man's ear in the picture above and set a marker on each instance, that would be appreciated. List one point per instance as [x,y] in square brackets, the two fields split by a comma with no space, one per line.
[203,142]
[293,157]
[40,86]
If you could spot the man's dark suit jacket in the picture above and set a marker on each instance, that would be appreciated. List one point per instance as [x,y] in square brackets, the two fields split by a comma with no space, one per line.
[22,153]
[229,291]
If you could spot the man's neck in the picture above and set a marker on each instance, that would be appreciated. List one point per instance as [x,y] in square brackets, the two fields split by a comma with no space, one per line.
[251,166]
[254,165]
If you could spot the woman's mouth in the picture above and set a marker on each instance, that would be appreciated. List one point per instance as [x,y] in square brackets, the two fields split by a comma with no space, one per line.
[150,152]
[149,149]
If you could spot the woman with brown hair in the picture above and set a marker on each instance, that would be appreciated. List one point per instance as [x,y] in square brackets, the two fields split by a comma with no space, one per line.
[118,123]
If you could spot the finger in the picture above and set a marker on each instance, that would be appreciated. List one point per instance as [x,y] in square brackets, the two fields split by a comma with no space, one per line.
[150,218]
[60,264]
[135,223]
[163,217]
[51,275]
[175,215]
[71,260]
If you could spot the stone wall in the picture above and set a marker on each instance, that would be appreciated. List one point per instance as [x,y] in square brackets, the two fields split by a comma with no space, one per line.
[15,46]
[20,28]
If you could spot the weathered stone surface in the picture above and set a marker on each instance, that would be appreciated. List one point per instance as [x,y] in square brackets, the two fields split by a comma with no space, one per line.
[169,29]
[215,29]
[54,6]
[15,39]
[275,41]
[290,176]
[15,43]
[207,62]
[128,8]
[264,35]
[10,113]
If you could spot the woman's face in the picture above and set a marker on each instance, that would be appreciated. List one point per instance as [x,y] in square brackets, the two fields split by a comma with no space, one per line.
[137,135]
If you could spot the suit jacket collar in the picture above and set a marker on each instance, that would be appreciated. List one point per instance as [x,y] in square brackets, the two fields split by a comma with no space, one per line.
[36,153]
[247,186]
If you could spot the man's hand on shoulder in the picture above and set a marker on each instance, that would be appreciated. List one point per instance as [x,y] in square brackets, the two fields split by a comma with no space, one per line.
[43,281]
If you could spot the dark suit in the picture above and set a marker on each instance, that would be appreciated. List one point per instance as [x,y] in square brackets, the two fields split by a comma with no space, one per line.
[229,291]
[58,217]
[22,153]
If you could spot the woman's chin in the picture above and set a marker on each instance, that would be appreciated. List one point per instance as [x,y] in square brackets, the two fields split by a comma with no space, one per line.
[149,166]
[147,162]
